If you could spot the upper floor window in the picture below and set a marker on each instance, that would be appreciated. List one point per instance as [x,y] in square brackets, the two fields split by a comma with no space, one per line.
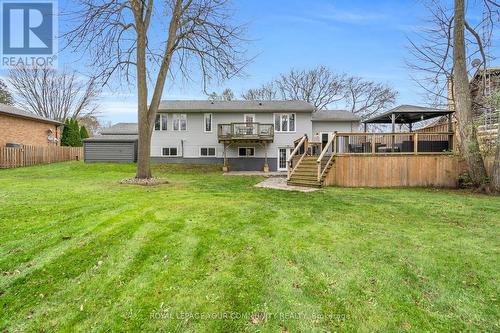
[208,122]
[161,122]
[180,121]
[284,122]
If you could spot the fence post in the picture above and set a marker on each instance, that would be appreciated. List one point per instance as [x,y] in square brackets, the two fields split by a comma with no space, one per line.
[415,143]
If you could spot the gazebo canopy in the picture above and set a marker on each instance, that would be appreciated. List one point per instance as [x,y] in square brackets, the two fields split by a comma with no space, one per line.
[407,114]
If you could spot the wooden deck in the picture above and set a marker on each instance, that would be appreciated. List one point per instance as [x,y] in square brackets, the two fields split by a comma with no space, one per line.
[245,132]
[377,160]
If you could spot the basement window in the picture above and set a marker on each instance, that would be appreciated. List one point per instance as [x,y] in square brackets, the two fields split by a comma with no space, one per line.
[246,151]
[169,151]
[207,152]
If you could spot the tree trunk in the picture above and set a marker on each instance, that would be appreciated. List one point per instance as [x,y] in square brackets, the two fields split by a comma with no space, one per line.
[144,126]
[463,101]
[495,173]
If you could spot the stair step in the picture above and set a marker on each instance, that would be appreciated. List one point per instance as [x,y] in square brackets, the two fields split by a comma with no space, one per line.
[304,184]
[306,178]
[304,173]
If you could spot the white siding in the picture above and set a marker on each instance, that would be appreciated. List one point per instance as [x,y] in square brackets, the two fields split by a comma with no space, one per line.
[189,142]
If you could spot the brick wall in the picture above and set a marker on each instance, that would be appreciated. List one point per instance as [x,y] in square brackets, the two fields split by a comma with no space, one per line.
[26,131]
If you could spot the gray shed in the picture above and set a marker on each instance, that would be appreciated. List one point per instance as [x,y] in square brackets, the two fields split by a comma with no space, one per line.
[115,144]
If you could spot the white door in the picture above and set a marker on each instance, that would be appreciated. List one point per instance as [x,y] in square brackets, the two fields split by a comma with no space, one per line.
[283,154]
[325,137]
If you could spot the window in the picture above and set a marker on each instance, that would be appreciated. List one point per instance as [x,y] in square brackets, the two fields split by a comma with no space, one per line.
[284,122]
[161,122]
[249,118]
[157,122]
[180,122]
[169,151]
[246,151]
[208,122]
[207,152]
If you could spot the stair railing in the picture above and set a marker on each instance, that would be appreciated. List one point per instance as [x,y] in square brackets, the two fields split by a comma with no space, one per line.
[291,168]
[321,170]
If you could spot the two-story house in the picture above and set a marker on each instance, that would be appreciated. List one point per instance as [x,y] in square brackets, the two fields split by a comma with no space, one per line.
[241,135]
[238,135]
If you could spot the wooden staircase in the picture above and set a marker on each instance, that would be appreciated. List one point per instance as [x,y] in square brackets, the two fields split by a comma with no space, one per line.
[306,173]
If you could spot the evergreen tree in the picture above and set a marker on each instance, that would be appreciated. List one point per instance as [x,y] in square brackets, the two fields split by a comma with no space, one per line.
[5,96]
[71,134]
[84,133]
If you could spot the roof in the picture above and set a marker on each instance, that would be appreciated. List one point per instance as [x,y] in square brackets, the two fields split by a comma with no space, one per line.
[15,112]
[112,138]
[406,114]
[234,106]
[334,115]
[121,129]
[489,70]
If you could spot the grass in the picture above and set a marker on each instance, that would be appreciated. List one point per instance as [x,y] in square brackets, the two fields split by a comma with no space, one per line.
[208,253]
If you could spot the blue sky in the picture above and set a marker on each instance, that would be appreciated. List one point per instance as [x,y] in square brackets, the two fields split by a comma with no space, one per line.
[359,37]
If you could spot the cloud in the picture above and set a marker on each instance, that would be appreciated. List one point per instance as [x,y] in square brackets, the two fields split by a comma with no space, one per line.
[332,13]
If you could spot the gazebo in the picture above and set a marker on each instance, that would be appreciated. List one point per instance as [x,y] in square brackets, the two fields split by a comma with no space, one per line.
[401,142]
[408,114]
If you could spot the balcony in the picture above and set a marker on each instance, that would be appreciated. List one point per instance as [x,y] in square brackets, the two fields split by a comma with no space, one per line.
[245,132]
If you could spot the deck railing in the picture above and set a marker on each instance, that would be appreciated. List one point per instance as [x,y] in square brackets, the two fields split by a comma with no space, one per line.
[322,166]
[301,148]
[394,143]
[246,131]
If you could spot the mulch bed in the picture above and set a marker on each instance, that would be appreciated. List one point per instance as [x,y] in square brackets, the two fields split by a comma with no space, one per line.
[145,182]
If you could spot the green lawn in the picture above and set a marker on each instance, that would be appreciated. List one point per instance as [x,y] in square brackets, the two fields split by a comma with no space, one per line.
[208,253]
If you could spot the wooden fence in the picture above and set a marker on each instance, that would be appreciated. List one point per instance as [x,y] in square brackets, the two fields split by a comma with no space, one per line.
[32,155]
[394,171]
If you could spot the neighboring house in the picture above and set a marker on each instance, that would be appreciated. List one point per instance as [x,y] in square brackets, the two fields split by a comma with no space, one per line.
[19,127]
[243,135]
[115,144]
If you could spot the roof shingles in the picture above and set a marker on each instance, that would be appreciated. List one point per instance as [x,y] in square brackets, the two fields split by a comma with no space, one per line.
[15,112]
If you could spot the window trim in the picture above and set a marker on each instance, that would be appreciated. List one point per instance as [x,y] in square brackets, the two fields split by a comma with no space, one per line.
[246,156]
[173,122]
[205,123]
[161,115]
[288,123]
[208,156]
[176,149]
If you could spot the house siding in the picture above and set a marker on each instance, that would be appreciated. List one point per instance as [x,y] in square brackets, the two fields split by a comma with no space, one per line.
[190,141]
[26,131]
[333,126]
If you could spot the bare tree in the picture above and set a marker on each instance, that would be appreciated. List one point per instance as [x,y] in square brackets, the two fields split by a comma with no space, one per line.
[322,87]
[442,58]
[463,99]
[226,95]
[122,35]
[366,98]
[52,94]
[267,92]
[319,86]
